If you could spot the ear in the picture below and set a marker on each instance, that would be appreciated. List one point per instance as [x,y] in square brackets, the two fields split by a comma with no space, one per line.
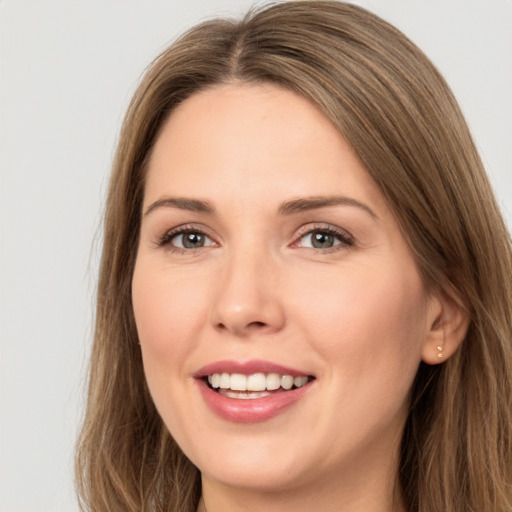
[448,322]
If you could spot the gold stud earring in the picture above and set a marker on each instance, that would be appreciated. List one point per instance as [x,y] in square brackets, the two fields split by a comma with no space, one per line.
[440,351]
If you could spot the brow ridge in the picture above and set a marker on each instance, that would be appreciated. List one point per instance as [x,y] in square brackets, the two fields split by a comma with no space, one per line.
[291,207]
[316,202]
[182,203]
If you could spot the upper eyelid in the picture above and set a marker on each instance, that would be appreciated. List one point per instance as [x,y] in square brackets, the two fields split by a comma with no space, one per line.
[320,226]
[189,227]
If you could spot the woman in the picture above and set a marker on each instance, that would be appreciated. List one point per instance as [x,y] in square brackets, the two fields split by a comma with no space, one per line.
[305,295]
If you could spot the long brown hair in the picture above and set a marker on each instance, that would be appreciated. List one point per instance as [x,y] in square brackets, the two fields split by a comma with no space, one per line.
[397,112]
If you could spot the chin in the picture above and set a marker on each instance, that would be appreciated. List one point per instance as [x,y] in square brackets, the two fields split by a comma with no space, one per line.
[264,461]
[262,477]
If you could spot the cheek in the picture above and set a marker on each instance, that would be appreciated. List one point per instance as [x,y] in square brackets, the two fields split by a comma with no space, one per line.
[168,310]
[370,324]
[169,314]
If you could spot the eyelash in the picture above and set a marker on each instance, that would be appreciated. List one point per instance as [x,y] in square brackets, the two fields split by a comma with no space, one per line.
[166,239]
[346,240]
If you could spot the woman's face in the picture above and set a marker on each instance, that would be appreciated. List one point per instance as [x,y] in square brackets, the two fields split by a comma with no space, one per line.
[270,265]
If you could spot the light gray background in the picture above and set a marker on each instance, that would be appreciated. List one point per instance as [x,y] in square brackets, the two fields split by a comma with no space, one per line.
[68,69]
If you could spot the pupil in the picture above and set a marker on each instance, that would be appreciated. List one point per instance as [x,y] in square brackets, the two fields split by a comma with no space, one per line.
[322,240]
[193,240]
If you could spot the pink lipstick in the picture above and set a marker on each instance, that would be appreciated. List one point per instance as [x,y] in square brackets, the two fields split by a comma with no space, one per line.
[251,391]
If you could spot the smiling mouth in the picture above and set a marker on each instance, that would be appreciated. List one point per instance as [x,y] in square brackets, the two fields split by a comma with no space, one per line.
[257,385]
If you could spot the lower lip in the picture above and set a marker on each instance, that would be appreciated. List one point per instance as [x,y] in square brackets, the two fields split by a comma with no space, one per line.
[252,410]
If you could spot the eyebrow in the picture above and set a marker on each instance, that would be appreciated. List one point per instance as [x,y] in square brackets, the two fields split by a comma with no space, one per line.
[317,202]
[288,208]
[182,203]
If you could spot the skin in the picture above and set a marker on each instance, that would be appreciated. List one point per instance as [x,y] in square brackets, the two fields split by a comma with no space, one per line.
[354,315]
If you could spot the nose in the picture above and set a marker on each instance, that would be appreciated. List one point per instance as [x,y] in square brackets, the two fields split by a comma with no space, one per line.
[248,300]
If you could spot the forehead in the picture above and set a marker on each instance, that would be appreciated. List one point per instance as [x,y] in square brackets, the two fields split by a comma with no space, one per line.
[259,141]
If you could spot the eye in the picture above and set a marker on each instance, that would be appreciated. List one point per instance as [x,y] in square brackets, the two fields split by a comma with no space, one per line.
[189,240]
[186,239]
[324,238]
[319,240]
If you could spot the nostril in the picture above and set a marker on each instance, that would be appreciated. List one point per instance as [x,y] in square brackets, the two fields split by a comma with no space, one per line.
[248,327]
[247,318]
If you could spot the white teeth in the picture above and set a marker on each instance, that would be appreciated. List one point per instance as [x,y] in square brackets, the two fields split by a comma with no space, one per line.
[225,381]
[256,382]
[238,382]
[300,381]
[244,396]
[273,381]
[215,382]
[287,382]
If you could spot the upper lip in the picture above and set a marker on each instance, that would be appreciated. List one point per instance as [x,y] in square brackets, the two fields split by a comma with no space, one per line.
[248,368]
